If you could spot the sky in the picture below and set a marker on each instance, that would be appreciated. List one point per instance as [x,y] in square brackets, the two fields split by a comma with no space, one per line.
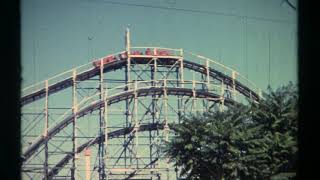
[247,35]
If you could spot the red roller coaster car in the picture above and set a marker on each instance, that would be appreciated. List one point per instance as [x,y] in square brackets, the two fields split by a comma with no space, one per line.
[124,55]
[158,52]
[163,53]
[105,60]
[110,59]
[148,52]
[136,53]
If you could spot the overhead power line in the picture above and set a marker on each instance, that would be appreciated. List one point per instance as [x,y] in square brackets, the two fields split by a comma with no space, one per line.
[198,11]
[290,4]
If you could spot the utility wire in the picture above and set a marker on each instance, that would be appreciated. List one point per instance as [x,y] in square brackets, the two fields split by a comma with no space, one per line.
[197,11]
[246,46]
[290,4]
[269,58]
[33,43]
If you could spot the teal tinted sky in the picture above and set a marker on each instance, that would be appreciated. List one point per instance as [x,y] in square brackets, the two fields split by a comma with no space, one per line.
[237,33]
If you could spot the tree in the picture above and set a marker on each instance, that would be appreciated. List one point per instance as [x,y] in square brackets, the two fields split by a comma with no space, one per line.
[278,113]
[257,141]
[210,146]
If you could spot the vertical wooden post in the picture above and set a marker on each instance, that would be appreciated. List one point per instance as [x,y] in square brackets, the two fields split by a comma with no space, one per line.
[128,49]
[154,51]
[127,81]
[155,69]
[154,103]
[136,122]
[101,149]
[181,79]
[165,101]
[222,96]
[208,74]
[181,72]
[74,128]
[194,103]
[45,133]
[106,127]
[166,126]
[87,155]
[234,85]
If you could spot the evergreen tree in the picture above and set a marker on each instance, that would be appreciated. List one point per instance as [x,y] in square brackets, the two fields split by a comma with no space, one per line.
[257,141]
[278,113]
[210,146]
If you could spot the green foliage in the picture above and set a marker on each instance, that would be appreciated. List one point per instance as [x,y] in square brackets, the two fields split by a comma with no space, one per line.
[258,141]
[278,114]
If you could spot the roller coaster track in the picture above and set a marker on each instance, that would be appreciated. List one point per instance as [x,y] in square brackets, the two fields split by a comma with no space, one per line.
[58,86]
[122,93]
[145,127]
[114,99]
